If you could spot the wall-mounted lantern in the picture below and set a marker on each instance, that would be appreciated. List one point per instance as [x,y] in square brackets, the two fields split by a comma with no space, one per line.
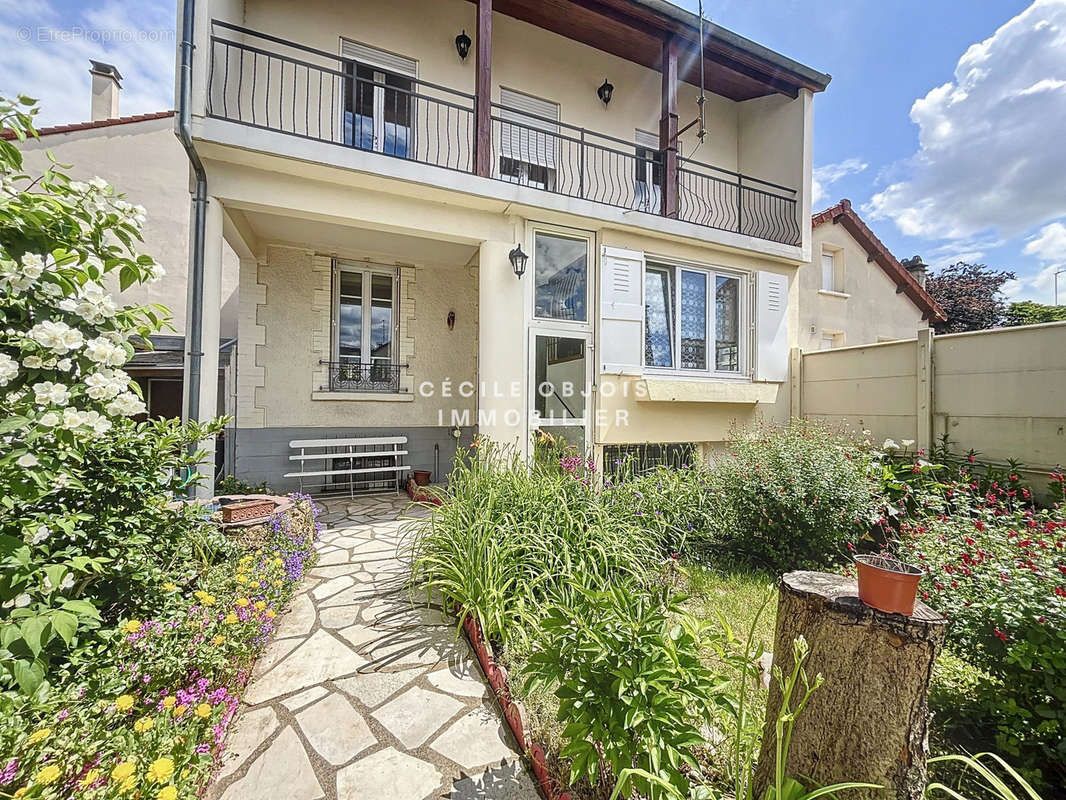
[462,45]
[518,261]
[605,91]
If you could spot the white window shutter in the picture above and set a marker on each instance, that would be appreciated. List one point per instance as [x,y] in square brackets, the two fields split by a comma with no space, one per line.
[771,327]
[382,59]
[621,310]
[523,141]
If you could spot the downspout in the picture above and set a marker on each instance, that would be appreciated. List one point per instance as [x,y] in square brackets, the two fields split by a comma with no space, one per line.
[194,332]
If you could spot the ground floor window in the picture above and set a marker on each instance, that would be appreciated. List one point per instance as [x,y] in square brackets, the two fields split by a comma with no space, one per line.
[624,460]
[364,325]
[692,319]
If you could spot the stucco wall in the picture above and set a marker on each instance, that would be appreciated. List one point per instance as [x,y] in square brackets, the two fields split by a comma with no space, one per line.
[144,161]
[1001,392]
[293,284]
[872,311]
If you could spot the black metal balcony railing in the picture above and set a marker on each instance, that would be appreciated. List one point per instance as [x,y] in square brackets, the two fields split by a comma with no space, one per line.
[264,81]
[363,376]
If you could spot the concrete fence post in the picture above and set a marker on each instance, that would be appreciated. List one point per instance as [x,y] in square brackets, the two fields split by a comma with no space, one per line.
[795,377]
[923,407]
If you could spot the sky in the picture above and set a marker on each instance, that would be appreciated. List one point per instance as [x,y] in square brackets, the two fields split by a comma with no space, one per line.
[944,123]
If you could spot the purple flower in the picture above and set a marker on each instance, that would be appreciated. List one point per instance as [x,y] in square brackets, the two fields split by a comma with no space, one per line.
[9,772]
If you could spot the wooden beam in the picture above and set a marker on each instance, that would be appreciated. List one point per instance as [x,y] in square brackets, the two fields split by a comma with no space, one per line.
[668,127]
[483,90]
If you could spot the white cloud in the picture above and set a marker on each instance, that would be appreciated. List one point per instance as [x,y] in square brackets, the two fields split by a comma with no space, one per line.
[48,51]
[825,176]
[990,141]
[1049,247]
[1049,244]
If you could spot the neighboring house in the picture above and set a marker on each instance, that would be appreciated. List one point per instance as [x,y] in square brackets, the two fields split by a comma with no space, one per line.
[377,187]
[140,156]
[854,291]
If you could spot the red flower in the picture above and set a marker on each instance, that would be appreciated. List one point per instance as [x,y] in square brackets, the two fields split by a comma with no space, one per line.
[1000,635]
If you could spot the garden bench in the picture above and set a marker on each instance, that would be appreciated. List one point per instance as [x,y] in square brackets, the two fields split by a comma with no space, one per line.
[330,459]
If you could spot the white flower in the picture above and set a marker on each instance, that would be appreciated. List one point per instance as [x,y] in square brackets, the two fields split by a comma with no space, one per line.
[67,304]
[67,582]
[48,420]
[32,265]
[96,422]
[72,418]
[51,289]
[22,600]
[78,187]
[43,532]
[48,393]
[890,445]
[27,460]
[104,351]
[47,582]
[155,272]
[99,183]
[126,404]
[64,365]
[104,385]
[58,337]
[908,442]
[94,305]
[9,369]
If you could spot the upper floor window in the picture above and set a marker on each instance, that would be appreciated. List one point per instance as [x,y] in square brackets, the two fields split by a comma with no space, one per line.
[560,267]
[379,102]
[832,270]
[692,319]
[529,139]
[648,173]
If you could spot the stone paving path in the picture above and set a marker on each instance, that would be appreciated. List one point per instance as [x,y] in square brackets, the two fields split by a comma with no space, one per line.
[363,695]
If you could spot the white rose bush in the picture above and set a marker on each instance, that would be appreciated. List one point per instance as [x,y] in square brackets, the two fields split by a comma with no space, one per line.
[84,488]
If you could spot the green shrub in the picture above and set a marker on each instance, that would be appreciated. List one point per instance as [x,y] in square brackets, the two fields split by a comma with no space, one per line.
[632,691]
[792,497]
[507,536]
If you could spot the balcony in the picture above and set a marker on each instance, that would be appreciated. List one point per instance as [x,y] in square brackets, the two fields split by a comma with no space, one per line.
[267,82]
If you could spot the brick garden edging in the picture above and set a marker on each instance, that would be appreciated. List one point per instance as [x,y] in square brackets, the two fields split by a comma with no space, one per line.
[497,677]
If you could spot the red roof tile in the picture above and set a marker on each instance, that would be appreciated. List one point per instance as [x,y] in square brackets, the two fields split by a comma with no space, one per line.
[102,123]
[843,214]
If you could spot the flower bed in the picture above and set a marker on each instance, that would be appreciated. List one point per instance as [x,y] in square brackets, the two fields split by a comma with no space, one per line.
[146,714]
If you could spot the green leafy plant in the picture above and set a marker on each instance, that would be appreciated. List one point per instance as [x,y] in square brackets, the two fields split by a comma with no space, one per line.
[989,781]
[230,484]
[632,691]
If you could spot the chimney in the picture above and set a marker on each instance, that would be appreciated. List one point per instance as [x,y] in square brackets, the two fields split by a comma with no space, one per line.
[106,87]
[917,268]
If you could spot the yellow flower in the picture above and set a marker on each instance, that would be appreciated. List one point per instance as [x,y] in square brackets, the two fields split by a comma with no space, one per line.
[242,580]
[271,613]
[179,710]
[208,600]
[260,605]
[169,587]
[123,771]
[39,736]
[278,562]
[127,784]
[168,702]
[132,626]
[21,792]
[242,602]
[90,778]
[48,775]
[218,640]
[161,770]
[144,724]
[254,584]
[203,711]
[167,793]
[231,619]
[124,702]
[200,594]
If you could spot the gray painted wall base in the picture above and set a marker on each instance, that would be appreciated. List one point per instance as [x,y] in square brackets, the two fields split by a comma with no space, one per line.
[263,453]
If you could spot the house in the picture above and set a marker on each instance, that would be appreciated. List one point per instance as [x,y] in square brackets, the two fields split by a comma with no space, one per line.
[854,291]
[501,217]
[139,155]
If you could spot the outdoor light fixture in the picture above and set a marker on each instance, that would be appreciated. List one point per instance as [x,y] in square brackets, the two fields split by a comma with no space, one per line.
[605,91]
[462,45]
[518,260]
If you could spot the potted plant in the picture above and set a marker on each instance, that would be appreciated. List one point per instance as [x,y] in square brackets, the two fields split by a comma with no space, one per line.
[887,584]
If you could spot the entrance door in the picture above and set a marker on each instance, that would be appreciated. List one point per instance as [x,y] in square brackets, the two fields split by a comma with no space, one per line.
[560,389]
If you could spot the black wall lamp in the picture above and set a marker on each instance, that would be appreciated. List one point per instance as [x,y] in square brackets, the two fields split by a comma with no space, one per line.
[605,91]
[462,45]
[518,261]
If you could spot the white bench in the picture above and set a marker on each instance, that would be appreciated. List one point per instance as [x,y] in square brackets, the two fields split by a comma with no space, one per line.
[356,451]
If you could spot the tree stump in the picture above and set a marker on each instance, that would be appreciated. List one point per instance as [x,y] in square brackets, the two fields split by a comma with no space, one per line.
[869,720]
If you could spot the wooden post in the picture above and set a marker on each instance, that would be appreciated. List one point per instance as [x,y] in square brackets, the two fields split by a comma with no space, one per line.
[869,720]
[668,127]
[483,91]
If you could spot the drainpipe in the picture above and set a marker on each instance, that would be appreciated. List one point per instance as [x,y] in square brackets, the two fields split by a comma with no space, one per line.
[194,332]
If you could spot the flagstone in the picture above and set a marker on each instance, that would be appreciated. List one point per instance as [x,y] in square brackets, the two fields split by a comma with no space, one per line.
[336,730]
[274,652]
[299,620]
[251,729]
[374,688]
[461,681]
[283,772]
[474,740]
[298,701]
[332,587]
[416,715]
[503,782]
[390,774]
[337,556]
[322,657]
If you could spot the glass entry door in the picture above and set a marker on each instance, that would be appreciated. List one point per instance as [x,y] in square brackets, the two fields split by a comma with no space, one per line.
[561,380]
[379,111]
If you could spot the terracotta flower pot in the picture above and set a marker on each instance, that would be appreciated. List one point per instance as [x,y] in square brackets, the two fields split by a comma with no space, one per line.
[887,584]
[422,476]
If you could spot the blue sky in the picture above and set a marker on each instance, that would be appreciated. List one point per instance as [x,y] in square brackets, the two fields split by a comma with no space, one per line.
[944,123]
